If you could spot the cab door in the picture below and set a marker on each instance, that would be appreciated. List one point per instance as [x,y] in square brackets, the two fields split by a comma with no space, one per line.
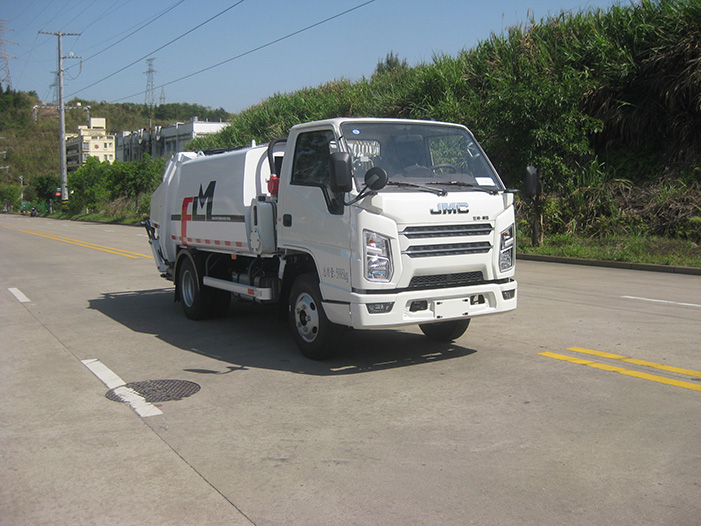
[312,217]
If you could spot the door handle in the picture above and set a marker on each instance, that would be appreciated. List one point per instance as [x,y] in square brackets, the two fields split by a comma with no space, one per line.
[287,220]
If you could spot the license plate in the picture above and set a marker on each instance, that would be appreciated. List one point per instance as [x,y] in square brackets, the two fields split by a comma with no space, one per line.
[451,308]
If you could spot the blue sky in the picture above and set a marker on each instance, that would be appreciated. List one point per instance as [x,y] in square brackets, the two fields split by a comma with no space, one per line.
[276,52]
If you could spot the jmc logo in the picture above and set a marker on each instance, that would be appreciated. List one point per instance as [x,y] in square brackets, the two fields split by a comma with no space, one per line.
[450,208]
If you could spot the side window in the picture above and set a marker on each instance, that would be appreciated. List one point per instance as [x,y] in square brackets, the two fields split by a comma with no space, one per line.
[311,166]
[311,161]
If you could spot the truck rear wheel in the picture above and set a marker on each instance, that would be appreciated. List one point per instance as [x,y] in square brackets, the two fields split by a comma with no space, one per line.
[445,331]
[196,304]
[314,334]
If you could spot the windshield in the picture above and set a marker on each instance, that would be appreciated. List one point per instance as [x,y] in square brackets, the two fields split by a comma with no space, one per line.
[419,154]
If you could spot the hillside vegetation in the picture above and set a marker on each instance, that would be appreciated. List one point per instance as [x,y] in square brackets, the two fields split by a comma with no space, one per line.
[606,104]
[31,144]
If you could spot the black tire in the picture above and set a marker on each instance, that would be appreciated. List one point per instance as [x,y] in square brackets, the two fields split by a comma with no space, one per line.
[313,333]
[196,304]
[445,331]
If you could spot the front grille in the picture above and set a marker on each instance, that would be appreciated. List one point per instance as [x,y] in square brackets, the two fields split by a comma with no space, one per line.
[446,280]
[453,249]
[480,229]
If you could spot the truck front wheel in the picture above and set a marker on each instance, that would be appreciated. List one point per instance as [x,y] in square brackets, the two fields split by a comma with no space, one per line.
[314,334]
[445,331]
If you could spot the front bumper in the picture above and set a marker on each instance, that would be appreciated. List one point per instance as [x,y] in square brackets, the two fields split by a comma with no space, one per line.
[425,306]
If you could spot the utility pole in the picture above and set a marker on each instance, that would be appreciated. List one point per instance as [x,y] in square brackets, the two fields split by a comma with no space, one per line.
[62,112]
[5,79]
[4,156]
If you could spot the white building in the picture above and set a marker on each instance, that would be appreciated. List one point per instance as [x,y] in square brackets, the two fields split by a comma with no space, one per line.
[162,141]
[90,141]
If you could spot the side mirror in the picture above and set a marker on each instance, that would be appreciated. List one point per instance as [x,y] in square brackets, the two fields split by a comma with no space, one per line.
[341,172]
[376,178]
[530,183]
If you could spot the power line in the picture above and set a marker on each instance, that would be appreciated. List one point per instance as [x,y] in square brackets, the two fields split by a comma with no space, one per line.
[60,11]
[110,9]
[80,13]
[26,10]
[26,62]
[101,16]
[272,42]
[139,28]
[28,55]
[157,50]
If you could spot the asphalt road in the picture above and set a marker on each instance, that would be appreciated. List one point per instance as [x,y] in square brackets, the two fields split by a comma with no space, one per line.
[517,422]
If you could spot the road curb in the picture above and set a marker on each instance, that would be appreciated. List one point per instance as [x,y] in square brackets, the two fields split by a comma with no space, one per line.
[611,264]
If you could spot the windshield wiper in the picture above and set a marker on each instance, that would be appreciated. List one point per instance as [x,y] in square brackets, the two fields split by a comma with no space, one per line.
[436,191]
[463,184]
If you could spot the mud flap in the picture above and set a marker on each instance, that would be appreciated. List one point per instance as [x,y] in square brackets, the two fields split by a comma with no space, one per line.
[153,240]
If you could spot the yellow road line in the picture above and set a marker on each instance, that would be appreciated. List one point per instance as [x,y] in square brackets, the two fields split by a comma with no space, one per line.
[621,370]
[668,368]
[102,248]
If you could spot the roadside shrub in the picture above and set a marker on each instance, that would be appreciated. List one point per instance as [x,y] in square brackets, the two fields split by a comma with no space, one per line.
[122,189]
[9,196]
[670,208]
[88,187]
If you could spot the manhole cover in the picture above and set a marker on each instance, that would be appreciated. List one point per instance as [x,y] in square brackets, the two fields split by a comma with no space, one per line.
[155,391]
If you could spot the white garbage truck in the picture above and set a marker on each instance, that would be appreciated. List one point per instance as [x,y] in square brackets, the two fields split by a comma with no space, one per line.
[349,222]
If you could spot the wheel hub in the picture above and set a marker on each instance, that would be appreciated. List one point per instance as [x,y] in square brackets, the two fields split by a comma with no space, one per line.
[187,292]
[306,318]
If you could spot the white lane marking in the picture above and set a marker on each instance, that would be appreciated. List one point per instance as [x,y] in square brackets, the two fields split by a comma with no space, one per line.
[661,301]
[137,402]
[19,295]
[104,373]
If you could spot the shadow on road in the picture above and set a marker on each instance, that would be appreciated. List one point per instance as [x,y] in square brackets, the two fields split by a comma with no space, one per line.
[252,335]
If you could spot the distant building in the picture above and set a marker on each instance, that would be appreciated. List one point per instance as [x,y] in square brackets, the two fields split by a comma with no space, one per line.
[162,141]
[90,141]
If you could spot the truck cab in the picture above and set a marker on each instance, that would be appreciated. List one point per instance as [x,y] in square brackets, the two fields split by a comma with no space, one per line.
[434,246]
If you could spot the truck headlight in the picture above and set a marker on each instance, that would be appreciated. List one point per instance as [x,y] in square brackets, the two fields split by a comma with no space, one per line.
[507,247]
[378,257]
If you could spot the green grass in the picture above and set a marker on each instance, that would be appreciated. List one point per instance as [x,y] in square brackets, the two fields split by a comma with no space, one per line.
[101,217]
[630,249]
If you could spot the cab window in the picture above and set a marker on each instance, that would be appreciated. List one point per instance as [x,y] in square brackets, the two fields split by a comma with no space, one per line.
[311,161]
[311,165]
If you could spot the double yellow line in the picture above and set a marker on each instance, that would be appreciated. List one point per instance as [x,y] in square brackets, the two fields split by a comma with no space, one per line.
[102,248]
[629,372]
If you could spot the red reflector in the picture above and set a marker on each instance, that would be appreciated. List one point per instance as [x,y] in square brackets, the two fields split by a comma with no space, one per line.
[273,185]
